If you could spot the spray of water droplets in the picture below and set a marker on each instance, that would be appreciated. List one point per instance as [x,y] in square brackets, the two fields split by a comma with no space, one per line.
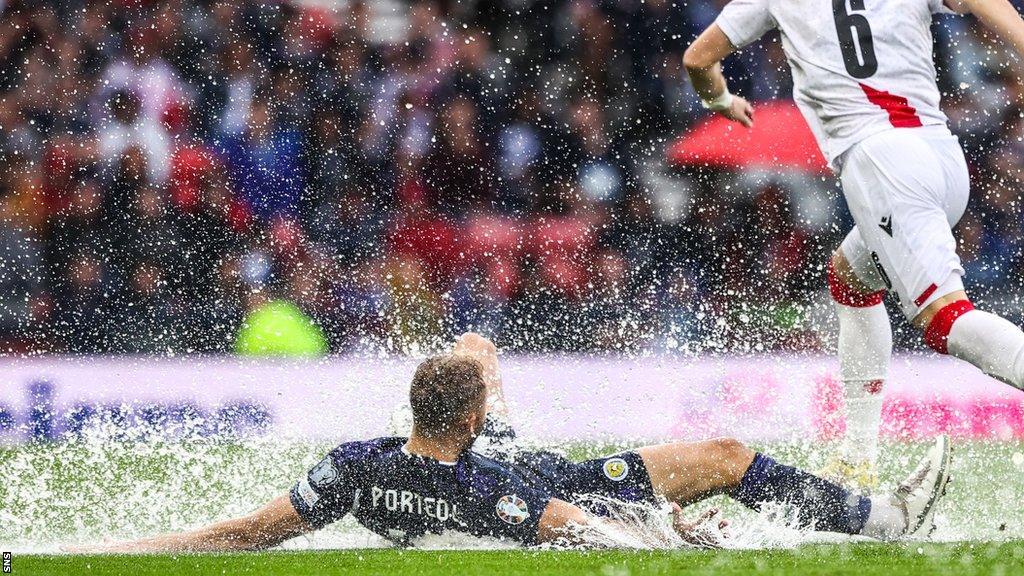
[109,483]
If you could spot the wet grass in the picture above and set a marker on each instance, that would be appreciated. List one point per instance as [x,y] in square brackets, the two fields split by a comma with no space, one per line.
[834,559]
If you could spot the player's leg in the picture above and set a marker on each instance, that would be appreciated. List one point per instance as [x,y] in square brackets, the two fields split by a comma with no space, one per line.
[685,473]
[689,472]
[918,188]
[995,345]
[865,348]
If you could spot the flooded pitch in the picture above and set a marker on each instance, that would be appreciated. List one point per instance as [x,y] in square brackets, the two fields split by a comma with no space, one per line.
[98,487]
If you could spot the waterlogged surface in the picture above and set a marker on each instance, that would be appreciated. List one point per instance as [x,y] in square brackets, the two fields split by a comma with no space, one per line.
[95,488]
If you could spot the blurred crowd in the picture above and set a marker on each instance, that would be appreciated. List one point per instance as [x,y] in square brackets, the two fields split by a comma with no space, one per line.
[401,171]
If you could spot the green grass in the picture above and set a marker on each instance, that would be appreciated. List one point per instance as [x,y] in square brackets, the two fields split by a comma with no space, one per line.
[854,559]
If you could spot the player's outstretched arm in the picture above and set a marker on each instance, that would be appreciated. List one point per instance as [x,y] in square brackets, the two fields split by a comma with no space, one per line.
[568,524]
[274,523]
[484,351]
[703,62]
[563,522]
[999,16]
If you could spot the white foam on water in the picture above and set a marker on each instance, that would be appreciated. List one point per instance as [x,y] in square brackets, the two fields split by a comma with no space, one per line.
[112,485]
[641,526]
[118,484]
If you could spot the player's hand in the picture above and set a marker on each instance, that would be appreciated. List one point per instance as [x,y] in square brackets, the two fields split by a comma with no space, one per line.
[108,546]
[483,351]
[707,531]
[740,111]
[474,345]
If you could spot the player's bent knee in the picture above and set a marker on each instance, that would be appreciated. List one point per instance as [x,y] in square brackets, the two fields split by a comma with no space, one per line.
[731,458]
[843,291]
[936,334]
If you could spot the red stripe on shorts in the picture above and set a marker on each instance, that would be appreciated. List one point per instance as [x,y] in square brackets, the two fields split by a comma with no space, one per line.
[901,113]
[924,295]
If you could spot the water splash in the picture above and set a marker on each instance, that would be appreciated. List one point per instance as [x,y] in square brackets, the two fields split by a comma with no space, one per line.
[113,483]
[643,526]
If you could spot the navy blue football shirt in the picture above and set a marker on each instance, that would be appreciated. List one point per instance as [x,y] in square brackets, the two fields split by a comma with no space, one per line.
[401,496]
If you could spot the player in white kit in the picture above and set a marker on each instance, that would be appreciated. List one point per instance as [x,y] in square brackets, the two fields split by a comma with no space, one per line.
[864,79]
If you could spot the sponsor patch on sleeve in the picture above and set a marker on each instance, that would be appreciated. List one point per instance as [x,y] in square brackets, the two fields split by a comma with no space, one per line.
[306,492]
[512,509]
[324,474]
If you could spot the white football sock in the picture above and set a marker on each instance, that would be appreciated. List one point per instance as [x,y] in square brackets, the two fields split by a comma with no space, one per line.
[885,521]
[993,344]
[865,348]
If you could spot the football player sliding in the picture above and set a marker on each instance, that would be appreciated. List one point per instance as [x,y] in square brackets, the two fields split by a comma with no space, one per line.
[435,481]
[864,79]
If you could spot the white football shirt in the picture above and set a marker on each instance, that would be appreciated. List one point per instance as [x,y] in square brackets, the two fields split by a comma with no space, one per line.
[859,66]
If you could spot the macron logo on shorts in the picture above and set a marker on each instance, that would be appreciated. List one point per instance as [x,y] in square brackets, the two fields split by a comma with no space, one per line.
[886,225]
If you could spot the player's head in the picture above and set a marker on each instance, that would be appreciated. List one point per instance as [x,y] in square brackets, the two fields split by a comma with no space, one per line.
[448,398]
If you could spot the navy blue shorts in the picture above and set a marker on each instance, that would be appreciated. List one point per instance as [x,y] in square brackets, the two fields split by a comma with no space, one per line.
[621,477]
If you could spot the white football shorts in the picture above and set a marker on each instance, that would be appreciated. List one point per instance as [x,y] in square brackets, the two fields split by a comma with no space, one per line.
[906,189]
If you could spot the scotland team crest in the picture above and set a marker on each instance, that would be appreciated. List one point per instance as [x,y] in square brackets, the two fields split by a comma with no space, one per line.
[616,469]
[512,509]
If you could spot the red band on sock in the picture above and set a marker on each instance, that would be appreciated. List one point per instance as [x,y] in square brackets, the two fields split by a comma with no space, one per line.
[936,334]
[847,296]
[874,387]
